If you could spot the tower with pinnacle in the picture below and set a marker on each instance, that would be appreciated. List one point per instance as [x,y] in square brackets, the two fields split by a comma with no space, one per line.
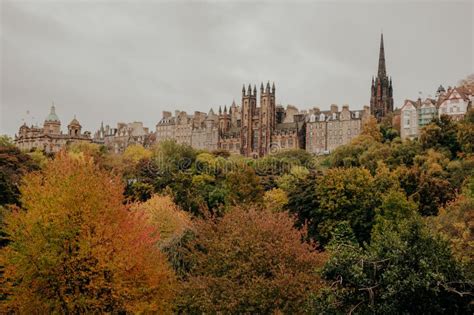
[381,97]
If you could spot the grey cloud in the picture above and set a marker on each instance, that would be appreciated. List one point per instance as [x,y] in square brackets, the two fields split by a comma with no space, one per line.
[126,61]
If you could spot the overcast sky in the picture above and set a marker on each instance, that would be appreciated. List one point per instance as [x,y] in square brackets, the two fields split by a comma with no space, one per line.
[128,61]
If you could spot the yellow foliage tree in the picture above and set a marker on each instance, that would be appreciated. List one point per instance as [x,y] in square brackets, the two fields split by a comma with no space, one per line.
[456,223]
[170,221]
[275,199]
[371,128]
[135,153]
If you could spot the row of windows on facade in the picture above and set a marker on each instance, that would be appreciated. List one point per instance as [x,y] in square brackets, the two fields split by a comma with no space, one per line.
[330,125]
[331,133]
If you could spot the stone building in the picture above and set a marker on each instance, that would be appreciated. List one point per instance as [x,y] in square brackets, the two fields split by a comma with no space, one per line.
[381,95]
[205,131]
[326,130]
[265,128]
[118,139]
[249,130]
[256,131]
[50,138]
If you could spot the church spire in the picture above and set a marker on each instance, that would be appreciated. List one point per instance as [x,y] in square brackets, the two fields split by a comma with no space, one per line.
[381,100]
[382,71]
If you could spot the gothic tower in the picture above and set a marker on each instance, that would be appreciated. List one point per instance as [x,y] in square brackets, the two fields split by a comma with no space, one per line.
[267,117]
[381,98]
[224,120]
[249,106]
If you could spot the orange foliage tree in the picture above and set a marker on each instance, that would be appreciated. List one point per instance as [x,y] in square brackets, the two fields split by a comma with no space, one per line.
[249,262]
[76,248]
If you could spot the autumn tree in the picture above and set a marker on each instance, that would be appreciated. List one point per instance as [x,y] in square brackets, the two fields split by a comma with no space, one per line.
[75,248]
[275,199]
[249,262]
[162,213]
[467,84]
[172,224]
[465,135]
[455,223]
[136,152]
[372,129]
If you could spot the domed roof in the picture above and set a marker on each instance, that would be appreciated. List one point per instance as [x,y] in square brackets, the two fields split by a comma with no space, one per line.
[52,115]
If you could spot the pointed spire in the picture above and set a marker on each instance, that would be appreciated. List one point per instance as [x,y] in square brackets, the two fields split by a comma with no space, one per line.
[249,91]
[255,90]
[382,71]
[225,109]
[233,103]
[273,87]
[267,90]
[261,87]
[220,110]
[243,89]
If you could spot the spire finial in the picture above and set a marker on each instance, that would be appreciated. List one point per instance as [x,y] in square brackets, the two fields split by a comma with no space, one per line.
[249,90]
[382,70]
[243,89]
[255,89]
[273,87]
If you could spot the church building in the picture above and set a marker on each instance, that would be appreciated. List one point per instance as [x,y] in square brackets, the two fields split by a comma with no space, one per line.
[381,97]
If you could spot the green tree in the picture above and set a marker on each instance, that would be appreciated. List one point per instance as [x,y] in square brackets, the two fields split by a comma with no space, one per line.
[339,195]
[14,164]
[404,270]
[441,133]
[343,196]
[243,186]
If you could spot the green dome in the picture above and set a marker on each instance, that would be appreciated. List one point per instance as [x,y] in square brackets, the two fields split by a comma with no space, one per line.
[52,115]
